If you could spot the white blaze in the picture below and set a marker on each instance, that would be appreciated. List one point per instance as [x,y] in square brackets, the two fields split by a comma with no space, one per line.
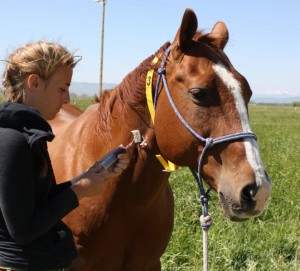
[251,147]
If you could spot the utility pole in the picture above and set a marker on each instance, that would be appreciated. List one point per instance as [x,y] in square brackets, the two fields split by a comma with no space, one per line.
[102,44]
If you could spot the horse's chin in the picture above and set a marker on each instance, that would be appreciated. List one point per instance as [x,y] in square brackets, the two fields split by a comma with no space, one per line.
[234,211]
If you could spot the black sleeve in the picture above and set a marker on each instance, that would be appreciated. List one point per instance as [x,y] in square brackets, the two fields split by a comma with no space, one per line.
[60,188]
[26,222]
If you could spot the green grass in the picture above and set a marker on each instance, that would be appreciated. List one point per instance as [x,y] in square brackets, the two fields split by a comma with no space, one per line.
[2,97]
[268,242]
[82,102]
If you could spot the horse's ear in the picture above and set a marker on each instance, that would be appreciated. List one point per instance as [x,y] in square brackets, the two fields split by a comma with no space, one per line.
[220,35]
[185,33]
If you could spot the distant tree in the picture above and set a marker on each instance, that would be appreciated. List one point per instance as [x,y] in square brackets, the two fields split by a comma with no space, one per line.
[296,104]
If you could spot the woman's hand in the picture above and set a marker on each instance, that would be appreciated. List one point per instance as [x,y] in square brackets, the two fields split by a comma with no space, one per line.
[93,181]
[121,164]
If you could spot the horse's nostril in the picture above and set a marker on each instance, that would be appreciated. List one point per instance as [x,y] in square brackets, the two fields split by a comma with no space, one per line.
[248,193]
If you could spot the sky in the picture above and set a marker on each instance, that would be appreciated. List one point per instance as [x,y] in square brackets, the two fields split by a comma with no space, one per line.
[264,43]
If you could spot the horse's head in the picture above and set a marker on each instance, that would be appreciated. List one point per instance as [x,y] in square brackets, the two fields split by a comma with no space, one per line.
[212,98]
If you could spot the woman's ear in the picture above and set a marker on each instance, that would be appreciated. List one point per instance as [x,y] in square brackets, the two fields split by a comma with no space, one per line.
[33,81]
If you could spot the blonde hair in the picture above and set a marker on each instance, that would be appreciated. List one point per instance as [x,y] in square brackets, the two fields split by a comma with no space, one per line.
[41,58]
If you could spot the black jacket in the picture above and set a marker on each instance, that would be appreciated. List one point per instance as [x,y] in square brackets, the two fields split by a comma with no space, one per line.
[32,235]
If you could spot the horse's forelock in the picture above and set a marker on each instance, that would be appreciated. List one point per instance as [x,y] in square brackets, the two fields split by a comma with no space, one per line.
[200,36]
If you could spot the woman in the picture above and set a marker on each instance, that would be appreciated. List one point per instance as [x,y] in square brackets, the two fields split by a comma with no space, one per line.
[32,236]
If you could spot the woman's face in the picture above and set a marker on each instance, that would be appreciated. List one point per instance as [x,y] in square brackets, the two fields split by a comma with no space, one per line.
[52,93]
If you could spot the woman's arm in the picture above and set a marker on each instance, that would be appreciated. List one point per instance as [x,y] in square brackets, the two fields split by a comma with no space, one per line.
[18,193]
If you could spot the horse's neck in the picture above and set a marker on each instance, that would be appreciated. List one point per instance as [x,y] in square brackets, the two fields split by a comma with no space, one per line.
[125,109]
[147,175]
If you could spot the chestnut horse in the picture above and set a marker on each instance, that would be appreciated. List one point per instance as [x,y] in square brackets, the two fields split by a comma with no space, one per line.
[128,226]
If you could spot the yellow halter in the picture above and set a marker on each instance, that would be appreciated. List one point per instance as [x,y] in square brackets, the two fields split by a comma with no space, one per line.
[168,166]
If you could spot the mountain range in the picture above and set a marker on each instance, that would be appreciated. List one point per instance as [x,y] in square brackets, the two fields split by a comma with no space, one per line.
[92,89]
[88,89]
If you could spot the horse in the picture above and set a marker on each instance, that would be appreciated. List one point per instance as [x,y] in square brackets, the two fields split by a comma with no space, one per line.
[128,226]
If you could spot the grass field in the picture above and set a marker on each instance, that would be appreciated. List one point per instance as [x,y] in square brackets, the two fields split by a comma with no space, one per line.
[269,242]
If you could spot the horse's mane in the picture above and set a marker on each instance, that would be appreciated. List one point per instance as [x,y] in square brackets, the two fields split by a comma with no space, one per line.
[131,92]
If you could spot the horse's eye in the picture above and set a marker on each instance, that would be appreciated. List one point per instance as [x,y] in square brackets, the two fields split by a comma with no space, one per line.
[199,94]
